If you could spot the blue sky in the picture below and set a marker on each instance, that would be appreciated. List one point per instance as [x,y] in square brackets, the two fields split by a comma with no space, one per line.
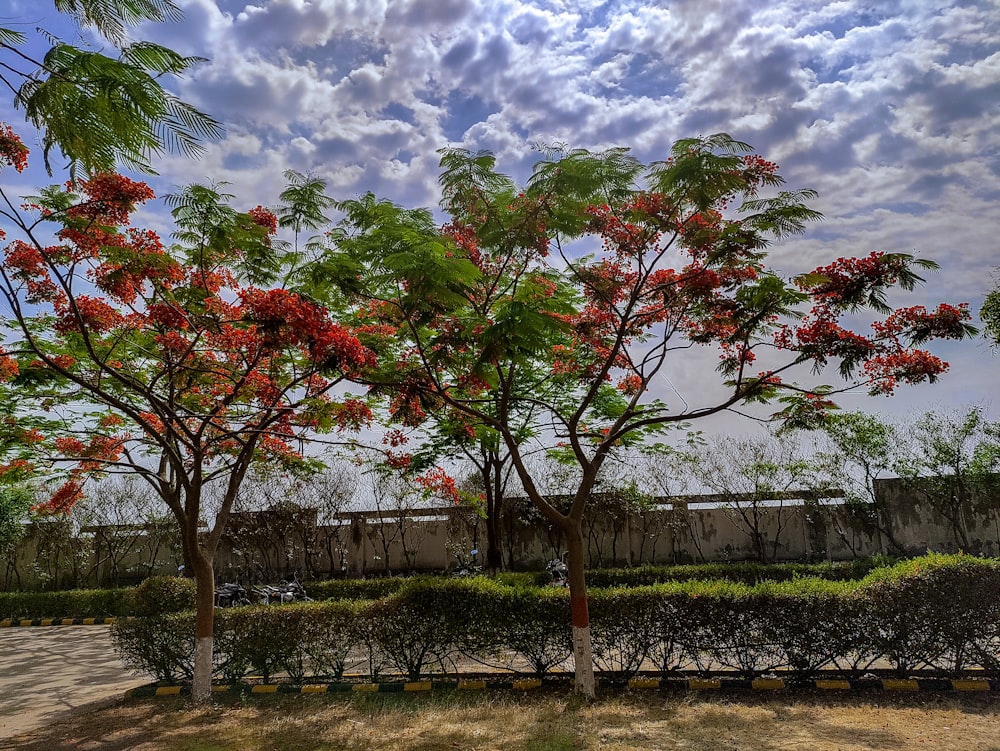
[889,110]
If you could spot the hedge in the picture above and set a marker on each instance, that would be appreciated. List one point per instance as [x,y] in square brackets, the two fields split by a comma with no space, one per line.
[173,594]
[356,589]
[937,613]
[744,573]
[73,603]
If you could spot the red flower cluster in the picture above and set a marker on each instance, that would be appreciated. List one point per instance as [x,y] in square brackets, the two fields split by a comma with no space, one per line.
[440,483]
[286,318]
[16,470]
[352,413]
[26,264]
[110,200]
[909,366]
[8,366]
[630,384]
[916,324]
[138,258]
[848,282]
[398,461]
[12,150]
[86,314]
[265,218]
[63,500]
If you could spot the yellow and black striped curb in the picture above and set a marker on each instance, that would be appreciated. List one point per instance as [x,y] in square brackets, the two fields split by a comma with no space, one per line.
[23,622]
[526,684]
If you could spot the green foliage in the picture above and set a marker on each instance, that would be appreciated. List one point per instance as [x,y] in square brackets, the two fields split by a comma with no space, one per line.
[627,626]
[531,625]
[70,603]
[423,624]
[164,594]
[99,110]
[213,232]
[741,573]
[990,315]
[160,646]
[939,613]
[113,17]
[15,501]
[356,589]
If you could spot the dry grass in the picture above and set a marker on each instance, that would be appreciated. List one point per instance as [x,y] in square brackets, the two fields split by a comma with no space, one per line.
[537,721]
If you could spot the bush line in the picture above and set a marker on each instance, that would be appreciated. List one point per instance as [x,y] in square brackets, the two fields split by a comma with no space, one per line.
[937,613]
[173,594]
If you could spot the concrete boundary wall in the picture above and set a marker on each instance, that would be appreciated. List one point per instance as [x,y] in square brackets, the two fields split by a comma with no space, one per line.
[263,547]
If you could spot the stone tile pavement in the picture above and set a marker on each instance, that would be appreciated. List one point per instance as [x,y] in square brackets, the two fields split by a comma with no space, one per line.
[47,673]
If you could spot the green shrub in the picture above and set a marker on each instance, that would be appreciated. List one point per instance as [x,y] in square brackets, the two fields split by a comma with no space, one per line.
[727,626]
[161,646]
[533,624]
[810,622]
[426,622]
[164,594]
[74,603]
[356,589]
[625,626]
[300,639]
[743,573]
[938,612]
[523,578]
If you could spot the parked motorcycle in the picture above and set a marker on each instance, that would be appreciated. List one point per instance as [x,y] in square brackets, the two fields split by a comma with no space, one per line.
[281,593]
[230,595]
[559,570]
[467,568]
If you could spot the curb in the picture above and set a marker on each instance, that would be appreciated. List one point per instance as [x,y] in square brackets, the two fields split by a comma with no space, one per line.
[762,685]
[26,622]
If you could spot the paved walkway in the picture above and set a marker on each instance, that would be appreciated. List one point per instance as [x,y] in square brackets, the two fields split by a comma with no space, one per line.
[47,673]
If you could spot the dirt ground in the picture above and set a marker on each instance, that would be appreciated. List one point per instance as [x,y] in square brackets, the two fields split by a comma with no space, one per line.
[534,721]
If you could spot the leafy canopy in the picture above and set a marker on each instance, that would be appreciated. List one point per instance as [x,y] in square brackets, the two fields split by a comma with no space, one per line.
[99,110]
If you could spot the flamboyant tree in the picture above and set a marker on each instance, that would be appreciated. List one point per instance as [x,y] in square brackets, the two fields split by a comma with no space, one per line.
[180,364]
[608,270]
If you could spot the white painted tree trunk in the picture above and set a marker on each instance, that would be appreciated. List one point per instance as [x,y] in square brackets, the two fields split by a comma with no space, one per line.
[201,689]
[583,659]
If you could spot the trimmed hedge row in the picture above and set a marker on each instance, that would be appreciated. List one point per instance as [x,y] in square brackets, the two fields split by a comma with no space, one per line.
[638,576]
[72,603]
[155,596]
[938,613]
[745,573]
[162,594]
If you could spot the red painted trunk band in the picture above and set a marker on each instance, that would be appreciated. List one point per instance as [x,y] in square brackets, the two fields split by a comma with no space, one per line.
[578,608]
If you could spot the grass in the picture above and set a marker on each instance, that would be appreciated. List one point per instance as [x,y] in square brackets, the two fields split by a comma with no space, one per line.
[536,721]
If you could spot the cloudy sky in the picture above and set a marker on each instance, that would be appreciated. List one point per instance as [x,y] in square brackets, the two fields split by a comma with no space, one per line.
[889,109]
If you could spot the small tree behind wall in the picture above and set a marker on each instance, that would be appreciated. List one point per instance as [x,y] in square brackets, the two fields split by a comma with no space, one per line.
[750,478]
[677,260]
[129,531]
[950,461]
[854,450]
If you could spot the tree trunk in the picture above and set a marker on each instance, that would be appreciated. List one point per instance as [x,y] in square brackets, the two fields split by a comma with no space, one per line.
[204,619]
[494,556]
[583,658]
[493,491]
